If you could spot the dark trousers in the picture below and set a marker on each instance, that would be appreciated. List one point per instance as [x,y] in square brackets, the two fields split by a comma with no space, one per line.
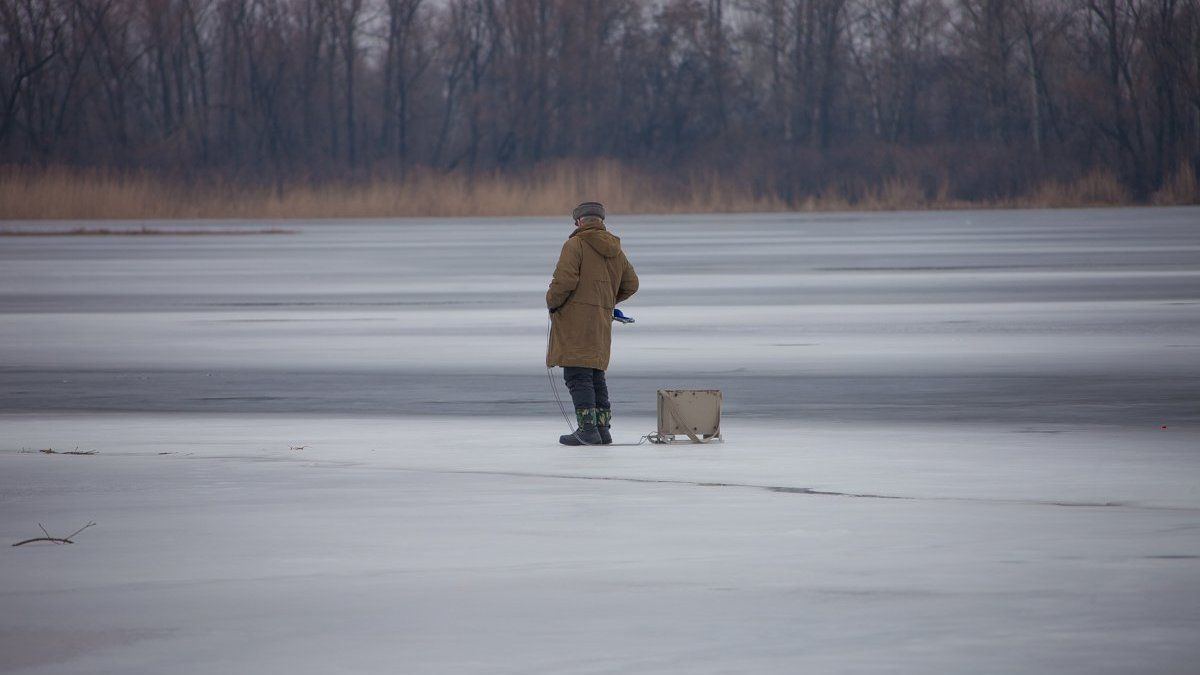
[588,388]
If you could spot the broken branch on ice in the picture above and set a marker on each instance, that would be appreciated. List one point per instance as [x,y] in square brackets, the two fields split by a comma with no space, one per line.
[56,540]
[76,451]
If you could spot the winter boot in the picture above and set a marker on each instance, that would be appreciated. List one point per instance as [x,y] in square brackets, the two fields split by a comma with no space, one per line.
[604,425]
[586,434]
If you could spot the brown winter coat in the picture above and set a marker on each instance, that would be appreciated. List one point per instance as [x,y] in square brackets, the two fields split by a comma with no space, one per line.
[592,276]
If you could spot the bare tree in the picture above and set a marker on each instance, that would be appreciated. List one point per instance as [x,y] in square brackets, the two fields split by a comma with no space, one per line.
[795,94]
[403,62]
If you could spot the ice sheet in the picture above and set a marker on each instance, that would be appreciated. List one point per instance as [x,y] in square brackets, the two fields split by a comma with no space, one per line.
[1046,316]
[430,545]
[957,442]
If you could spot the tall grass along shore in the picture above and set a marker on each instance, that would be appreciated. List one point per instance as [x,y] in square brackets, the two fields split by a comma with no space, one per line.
[68,193]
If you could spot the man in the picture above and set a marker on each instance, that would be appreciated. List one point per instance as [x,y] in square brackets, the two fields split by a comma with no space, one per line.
[592,276]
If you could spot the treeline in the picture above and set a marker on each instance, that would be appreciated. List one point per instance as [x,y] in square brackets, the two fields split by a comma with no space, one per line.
[964,99]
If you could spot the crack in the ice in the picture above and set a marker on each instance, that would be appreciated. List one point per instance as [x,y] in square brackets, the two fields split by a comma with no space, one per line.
[665,481]
[779,489]
[789,490]
[828,493]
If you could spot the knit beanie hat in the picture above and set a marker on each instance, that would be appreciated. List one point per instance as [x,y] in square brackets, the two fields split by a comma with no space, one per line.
[588,209]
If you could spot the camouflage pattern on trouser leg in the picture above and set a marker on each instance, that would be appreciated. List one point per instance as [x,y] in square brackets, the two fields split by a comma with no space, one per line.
[587,433]
[604,424]
[586,417]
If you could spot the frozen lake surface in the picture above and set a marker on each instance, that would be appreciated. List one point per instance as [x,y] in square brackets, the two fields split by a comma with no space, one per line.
[1052,317]
[958,442]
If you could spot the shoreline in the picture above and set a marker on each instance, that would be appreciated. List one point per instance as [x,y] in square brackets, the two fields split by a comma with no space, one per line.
[78,194]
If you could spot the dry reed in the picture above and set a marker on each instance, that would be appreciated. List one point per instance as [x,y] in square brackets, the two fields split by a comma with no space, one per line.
[550,189]
[1098,188]
[1181,188]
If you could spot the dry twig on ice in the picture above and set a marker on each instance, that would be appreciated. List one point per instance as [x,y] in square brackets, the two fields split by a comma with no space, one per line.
[56,540]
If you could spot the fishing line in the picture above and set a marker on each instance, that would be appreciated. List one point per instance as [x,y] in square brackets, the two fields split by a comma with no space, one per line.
[550,377]
[563,409]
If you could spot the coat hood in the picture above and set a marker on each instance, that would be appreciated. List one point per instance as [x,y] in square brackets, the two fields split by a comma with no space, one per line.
[601,240]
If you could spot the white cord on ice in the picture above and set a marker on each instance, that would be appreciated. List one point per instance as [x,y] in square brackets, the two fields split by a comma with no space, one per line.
[563,409]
